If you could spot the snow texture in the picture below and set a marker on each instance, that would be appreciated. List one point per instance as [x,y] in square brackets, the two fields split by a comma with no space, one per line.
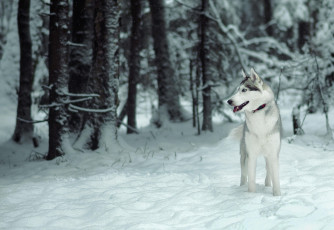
[167,179]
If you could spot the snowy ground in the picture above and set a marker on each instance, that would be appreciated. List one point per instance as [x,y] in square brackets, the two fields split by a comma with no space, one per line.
[167,179]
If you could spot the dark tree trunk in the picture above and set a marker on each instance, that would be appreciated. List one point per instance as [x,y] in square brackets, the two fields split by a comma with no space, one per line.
[58,76]
[297,129]
[122,115]
[105,74]
[167,83]
[197,94]
[303,33]
[267,16]
[203,54]
[24,130]
[134,64]
[193,93]
[80,53]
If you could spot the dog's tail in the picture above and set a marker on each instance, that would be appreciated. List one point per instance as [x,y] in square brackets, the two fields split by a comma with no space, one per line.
[236,133]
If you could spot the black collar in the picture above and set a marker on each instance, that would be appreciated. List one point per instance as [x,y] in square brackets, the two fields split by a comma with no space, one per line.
[259,108]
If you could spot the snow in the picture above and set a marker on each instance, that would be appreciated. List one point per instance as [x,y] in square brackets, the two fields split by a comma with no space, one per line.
[166,178]
[169,179]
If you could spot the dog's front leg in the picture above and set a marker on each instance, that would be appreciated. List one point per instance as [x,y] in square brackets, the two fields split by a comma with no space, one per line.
[251,173]
[274,172]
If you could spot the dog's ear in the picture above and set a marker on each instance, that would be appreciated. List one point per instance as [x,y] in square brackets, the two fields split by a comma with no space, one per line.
[255,78]
[243,73]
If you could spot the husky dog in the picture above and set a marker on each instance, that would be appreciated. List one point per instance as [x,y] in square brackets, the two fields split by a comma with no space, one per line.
[261,132]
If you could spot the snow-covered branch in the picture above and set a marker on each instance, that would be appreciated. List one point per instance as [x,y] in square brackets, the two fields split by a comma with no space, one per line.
[188,6]
[77,94]
[208,84]
[65,102]
[31,122]
[225,30]
[75,108]
[75,44]
[268,40]
[61,93]
[47,87]
[263,57]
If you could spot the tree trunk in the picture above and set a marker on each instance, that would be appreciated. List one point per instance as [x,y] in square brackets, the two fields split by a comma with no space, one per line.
[203,55]
[134,64]
[122,114]
[267,16]
[193,93]
[80,53]
[104,77]
[297,129]
[197,94]
[24,130]
[58,76]
[303,33]
[167,83]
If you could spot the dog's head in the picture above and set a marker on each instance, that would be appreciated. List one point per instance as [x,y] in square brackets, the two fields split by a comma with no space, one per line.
[250,95]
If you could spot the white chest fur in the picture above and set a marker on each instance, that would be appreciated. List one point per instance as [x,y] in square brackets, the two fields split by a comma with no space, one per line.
[262,131]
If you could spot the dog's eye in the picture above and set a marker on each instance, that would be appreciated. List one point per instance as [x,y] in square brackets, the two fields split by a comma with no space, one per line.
[243,90]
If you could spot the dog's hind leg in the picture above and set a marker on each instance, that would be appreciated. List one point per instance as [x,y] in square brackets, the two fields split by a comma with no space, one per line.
[244,168]
[267,182]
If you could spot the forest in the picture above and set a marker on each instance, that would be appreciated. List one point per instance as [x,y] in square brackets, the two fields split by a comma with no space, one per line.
[124,105]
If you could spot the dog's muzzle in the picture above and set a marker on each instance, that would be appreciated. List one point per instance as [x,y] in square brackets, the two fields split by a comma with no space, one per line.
[238,107]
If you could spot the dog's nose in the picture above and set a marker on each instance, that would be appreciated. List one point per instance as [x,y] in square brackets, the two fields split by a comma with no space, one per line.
[230,102]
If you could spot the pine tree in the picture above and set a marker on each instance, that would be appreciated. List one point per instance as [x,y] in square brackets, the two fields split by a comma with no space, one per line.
[80,53]
[203,55]
[58,77]
[167,82]
[24,127]
[134,64]
[101,117]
